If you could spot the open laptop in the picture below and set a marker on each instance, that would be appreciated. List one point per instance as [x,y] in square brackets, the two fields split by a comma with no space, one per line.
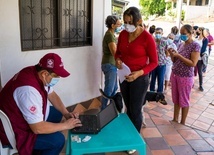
[94,120]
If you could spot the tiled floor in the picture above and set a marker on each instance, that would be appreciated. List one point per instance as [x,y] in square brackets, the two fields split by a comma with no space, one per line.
[164,137]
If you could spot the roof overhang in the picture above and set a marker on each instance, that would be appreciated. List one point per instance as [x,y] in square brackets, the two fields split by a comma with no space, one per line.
[120,3]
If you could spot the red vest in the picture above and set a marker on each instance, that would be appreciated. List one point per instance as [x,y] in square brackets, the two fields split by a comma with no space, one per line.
[25,138]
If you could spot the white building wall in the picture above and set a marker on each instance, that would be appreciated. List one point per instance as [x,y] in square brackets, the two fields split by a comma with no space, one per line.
[83,62]
[193,12]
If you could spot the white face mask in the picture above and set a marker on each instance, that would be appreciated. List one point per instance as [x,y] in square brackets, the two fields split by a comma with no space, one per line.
[170,41]
[130,28]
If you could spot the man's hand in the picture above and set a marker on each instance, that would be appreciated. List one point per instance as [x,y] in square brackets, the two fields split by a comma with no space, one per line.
[72,123]
[71,115]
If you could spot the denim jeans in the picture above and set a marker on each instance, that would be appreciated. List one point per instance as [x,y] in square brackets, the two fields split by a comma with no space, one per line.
[111,86]
[158,73]
[200,66]
[133,94]
[50,144]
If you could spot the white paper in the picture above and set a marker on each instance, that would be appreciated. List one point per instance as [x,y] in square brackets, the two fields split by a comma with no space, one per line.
[123,72]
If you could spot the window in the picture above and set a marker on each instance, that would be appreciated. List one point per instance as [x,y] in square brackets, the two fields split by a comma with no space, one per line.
[198,2]
[48,24]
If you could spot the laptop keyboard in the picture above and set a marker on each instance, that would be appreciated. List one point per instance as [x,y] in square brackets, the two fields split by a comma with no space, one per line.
[89,124]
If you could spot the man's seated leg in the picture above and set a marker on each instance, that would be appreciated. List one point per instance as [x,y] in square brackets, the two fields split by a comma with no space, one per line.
[50,144]
[54,115]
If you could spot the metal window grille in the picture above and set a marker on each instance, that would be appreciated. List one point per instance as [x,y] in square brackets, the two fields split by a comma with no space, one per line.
[198,2]
[48,24]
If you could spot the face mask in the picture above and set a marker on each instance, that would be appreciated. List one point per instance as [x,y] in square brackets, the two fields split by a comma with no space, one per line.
[184,37]
[117,30]
[198,33]
[130,28]
[170,41]
[53,82]
[158,36]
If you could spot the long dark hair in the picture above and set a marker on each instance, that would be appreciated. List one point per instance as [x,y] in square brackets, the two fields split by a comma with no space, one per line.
[134,13]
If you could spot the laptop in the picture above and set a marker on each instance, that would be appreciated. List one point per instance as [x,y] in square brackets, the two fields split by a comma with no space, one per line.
[94,120]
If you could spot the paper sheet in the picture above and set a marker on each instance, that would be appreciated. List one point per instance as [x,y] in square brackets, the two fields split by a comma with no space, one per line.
[123,72]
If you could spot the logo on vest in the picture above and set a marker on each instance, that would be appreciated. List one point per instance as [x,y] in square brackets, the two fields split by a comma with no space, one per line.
[33,109]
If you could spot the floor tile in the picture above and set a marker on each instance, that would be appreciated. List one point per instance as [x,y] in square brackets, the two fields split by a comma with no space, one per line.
[169,114]
[208,115]
[211,111]
[183,150]
[174,139]
[195,110]
[150,132]
[155,113]
[162,152]
[149,122]
[206,120]
[179,126]
[156,143]
[189,134]
[210,141]
[193,115]
[160,110]
[160,121]
[146,115]
[200,145]
[204,134]
[201,125]
[199,107]
[167,118]
[167,107]
[205,153]
[148,151]
[189,121]
[167,129]
[150,105]
[211,129]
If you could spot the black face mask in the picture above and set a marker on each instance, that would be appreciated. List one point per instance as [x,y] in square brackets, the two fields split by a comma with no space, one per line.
[198,33]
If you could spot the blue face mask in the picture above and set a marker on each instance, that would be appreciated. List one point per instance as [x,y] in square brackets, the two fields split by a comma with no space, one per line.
[117,30]
[158,36]
[183,37]
[53,82]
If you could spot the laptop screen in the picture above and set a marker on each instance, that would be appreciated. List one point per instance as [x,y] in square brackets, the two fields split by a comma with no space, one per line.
[107,115]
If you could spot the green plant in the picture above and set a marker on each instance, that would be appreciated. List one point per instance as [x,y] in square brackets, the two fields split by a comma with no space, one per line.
[182,15]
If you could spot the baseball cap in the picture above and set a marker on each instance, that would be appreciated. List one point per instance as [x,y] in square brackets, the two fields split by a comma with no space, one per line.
[53,62]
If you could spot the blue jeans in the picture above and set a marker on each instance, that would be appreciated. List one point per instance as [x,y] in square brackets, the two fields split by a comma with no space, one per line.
[111,86]
[133,95]
[158,73]
[50,144]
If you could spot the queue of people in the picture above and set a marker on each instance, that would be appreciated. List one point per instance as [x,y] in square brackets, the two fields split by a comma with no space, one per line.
[178,56]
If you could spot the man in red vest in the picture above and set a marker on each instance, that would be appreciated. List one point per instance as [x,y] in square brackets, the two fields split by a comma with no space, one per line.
[24,99]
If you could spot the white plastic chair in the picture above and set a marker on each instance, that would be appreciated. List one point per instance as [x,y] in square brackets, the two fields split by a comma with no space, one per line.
[10,135]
